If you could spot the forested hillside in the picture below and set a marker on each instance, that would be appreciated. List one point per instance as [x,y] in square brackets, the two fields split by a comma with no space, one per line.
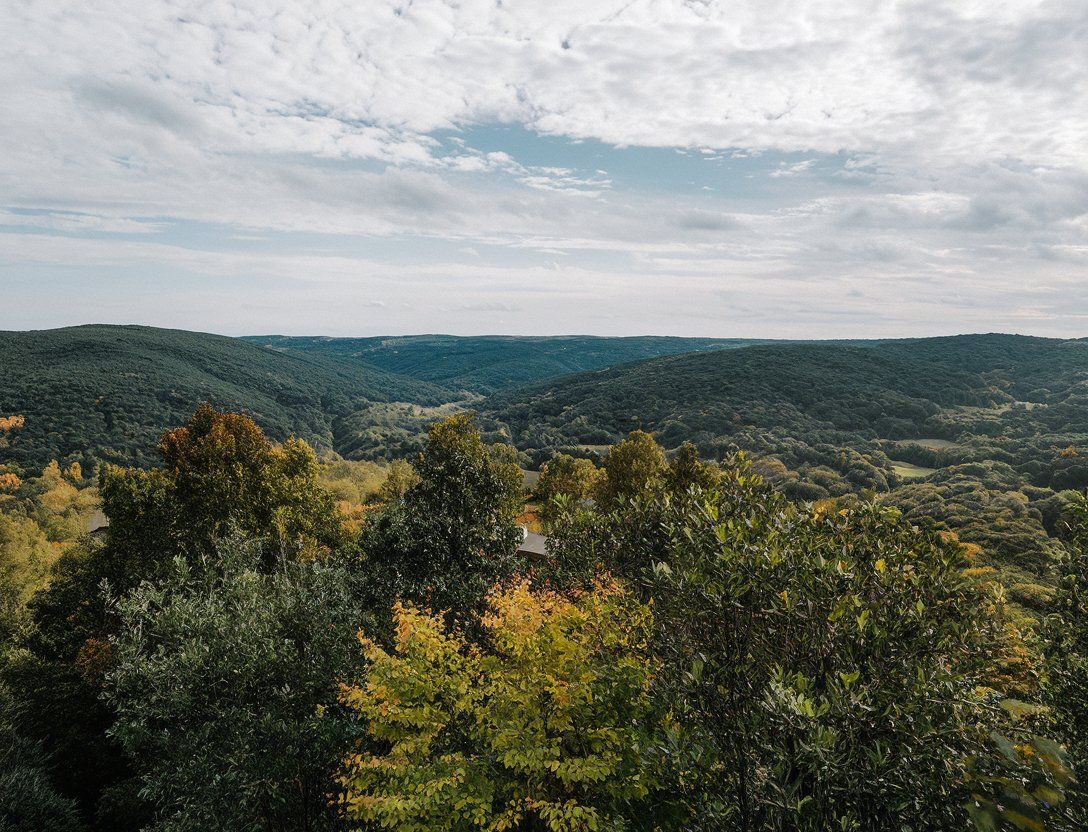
[801,389]
[966,398]
[105,393]
[982,434]
[485,364]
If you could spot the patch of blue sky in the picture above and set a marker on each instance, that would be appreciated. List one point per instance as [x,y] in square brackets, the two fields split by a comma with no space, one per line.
[722,172]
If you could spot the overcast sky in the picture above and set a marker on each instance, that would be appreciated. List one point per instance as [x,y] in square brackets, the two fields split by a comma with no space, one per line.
[760,168]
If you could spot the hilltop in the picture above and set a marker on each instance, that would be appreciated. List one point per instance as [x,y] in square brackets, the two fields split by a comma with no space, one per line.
[485,364]
[104,393]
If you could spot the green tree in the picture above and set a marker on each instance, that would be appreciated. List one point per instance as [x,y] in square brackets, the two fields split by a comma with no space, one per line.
[687,471]
[505,462]
[823,666]
[543,728]
[636,466]
[1066,635]
[55,681]
[453,535]
[28,800]
[565,476]
[400,479]
[225,686]
[257,490]
[221,475]
[226,476]
[25,558]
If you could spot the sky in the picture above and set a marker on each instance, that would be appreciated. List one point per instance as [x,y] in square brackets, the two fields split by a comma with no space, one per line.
[752,168]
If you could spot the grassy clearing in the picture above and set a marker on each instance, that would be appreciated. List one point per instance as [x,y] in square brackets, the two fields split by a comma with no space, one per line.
[389,429]
[909,471]
[933,444]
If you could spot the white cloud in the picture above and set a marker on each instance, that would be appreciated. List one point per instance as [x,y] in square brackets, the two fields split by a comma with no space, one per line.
[329,77]
[929,140]
[792,170]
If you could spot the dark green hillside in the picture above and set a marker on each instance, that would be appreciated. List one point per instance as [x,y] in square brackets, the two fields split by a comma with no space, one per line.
[1020,364]
[488,363]
[801,389]
[104,393]
[1041,426]
[984,434]
[982,396]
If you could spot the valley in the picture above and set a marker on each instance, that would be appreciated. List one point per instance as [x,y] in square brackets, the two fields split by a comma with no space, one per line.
[433,467]
[978,434]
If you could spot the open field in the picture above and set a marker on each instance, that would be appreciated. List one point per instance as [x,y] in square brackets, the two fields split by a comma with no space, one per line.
[909,471]
[932,444]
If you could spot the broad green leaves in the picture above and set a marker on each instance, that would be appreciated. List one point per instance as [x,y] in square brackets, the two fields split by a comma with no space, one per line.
[824,666]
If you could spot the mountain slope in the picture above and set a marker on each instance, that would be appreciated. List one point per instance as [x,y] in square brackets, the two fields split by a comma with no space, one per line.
[485,364]
[104,393]
[979,434]
[909,406]
[796,387]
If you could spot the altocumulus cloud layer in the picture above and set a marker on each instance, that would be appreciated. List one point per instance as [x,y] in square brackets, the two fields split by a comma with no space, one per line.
[720,168]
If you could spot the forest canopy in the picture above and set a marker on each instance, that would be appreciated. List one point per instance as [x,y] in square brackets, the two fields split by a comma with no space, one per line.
[695,651]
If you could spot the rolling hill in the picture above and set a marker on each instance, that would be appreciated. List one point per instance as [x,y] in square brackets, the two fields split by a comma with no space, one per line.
[987,435]
[104,393]
[843,393]
[485,364]
[984,434]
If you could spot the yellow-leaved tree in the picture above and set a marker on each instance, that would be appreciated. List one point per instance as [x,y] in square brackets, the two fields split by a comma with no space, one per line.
[543,727]
[8,425]
[11,423]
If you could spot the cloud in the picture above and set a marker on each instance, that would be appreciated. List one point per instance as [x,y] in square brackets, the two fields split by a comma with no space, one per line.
[702,220]
[490,306]
[73,222]
[792,170]
[138,102]
[871,143]
[323,77]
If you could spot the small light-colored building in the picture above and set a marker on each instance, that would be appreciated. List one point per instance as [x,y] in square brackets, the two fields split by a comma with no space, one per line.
[532,544]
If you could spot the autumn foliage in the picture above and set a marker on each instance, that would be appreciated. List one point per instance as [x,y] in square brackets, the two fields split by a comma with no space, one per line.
[541,726]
